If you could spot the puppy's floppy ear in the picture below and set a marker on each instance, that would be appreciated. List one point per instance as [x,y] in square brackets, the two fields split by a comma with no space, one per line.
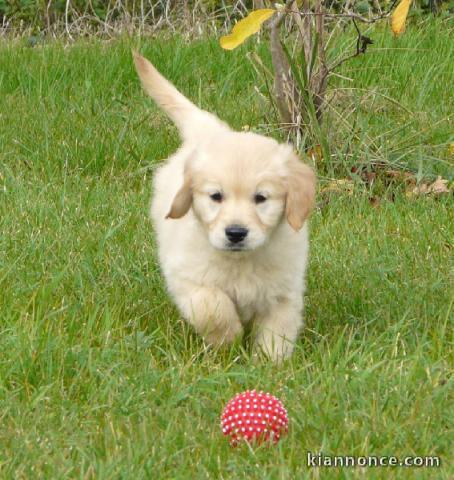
[183,199]
[300,192]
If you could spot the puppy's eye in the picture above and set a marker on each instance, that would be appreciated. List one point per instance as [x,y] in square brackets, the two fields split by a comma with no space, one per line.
[259,198]
[216,197]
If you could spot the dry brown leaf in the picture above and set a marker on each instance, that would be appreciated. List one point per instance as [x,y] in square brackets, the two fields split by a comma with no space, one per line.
[384,173]
[315,153]
[393,173]
[374,201]
[440,185]
[399,175]
[407,178]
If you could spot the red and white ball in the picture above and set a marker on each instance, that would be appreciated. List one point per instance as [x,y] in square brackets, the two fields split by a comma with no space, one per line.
[254,417]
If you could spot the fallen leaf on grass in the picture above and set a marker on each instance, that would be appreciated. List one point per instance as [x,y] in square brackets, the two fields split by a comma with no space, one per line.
[374,201]
[339,186]
[381,172]
[399,175]
[369,177]
[439,186]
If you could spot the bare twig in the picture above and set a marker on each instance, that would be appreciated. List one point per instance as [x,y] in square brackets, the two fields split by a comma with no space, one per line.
[322,74]
[350,14]
[361,45]
[283,83]
[66,19]
[305,32]
[281,71]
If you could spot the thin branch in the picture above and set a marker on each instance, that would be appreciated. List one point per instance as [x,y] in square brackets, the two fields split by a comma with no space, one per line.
[276,23]
[349,14]
[323,71]
[281,66]
[361,45]
[66,19]
[281,72]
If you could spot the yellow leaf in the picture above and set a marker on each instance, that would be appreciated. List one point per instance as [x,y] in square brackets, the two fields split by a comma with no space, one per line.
[399,17]
[451,149]
[343,185]
[246,27]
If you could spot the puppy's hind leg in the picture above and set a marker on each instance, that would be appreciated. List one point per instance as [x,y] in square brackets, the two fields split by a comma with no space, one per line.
[211,312]
[277,330]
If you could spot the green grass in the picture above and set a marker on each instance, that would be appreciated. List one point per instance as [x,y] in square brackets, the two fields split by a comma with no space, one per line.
[394,100]
[99,378]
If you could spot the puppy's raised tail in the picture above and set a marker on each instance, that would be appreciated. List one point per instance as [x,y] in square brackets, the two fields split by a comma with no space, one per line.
[192,122]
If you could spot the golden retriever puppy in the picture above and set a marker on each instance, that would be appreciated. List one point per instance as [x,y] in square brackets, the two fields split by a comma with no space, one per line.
[230,210]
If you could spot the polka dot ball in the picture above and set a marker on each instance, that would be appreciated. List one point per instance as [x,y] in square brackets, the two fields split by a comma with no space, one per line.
[254,417]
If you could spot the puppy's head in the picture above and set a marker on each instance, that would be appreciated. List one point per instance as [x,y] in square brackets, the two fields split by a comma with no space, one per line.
[241,186]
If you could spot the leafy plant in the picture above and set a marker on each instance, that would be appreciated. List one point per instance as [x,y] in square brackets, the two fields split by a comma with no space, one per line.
[301,68]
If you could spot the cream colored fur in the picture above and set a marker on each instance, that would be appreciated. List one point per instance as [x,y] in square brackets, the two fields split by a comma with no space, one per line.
[217,285]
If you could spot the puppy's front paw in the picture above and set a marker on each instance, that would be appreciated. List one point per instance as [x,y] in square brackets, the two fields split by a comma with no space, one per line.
[278,331]
[225,331]
[213,315]
[272,346]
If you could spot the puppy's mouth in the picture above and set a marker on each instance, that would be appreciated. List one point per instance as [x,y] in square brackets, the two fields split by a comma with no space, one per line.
[236,247]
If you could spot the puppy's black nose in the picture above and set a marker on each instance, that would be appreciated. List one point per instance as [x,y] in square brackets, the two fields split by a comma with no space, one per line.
[236,233]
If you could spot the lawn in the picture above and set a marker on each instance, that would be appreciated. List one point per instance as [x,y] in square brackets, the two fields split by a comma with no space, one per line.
[99,377]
